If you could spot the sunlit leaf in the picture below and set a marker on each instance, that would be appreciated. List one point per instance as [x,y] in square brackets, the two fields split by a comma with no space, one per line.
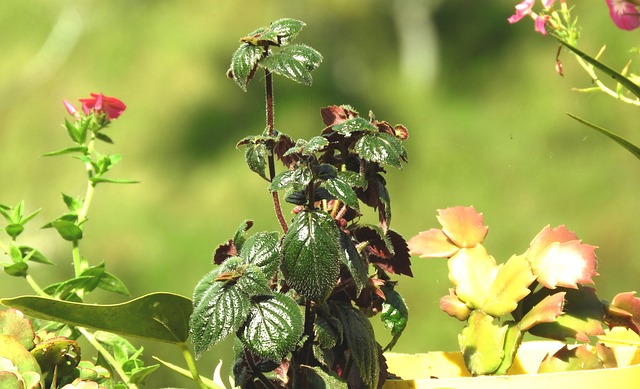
[565,359]
[432,243]
[295,62]
[472,271]
[13,323]
[244,63]
[342,191]
[286,29]
[545,311]
[382,148]
[463,225]
[273,327]
[481,343]
[311,254]
[263,250]
[158,316]
[509,287]
[394,315]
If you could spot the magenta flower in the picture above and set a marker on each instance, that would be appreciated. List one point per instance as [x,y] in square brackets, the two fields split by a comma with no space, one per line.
[525,8]
[101,103]
[624,13]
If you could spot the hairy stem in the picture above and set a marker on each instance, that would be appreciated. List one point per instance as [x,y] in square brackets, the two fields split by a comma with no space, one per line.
[270,130]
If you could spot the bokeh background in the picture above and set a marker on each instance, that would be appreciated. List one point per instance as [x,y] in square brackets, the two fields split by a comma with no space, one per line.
[481,99]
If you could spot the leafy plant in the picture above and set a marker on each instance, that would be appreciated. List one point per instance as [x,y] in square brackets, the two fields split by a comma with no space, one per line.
[298,301]
[542,291]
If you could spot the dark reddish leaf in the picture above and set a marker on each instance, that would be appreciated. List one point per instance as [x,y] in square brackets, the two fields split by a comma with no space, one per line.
[335,114]
[224,252]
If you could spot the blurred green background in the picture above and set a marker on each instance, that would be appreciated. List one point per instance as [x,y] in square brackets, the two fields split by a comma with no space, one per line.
[483,104]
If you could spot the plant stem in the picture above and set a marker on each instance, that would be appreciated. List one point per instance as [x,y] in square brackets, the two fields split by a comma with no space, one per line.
[34,285]
[80,264]
[257,372]
[270,130]
[191,363]
[107,356]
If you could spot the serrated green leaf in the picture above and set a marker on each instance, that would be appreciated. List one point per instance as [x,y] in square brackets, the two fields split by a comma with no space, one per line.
[286,29]
[342,191]
[357,124]
[295,62]
[244,62]
[394,315]
[263,250]
[296,178]
[357,266]
[221,301]
[315,144]
[382,148]
[256,157]
[311,254]
[273,327]
[162,317]
[354,179]
[239,237]
[360,339]
[67,230]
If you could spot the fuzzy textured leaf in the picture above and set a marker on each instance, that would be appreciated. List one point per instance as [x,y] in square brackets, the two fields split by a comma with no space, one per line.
[158,316]
[360,339]
[273,327]
[263,250]
[382,148]
[295,62]
[244,63]
[311,254]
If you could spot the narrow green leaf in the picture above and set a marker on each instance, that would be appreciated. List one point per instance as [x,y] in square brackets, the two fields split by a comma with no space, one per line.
[311,254]
[160,316]
[360,339]
[100,179]
[295,62]
[619,78]
[273,327]
[382,148]
[263,250]
[633,149]
[244,62]
[72,203]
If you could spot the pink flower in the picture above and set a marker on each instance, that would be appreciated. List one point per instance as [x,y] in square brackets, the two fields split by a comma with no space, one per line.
[624,13]
[540,23]
[73,111]
[101,103]
[523,9]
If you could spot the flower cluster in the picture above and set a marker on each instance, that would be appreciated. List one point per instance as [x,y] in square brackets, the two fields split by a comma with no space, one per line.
[624,13]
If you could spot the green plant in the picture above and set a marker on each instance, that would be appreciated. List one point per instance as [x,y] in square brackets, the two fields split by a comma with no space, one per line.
[298,301]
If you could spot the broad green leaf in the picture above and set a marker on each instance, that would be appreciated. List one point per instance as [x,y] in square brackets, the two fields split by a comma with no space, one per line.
[263,250]
[509,287]
[361,341]
[244,63]
[619,78]
[633,149]
[14,230]
[311,254]
[342,191]
[159,316]
[256,157]
[286,29]
[67,230]
[315,377]
[395,314]
[68,150]
[481,343]
[382,148]
[354,179]
[273,327]
[357,124]
[295,62]
[357,266]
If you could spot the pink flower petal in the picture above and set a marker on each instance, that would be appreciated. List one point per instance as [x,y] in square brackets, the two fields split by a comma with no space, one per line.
[101,103]
[540,23]
[522,10]
[624,14]
[432,244]
[463,225]
[70,108]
